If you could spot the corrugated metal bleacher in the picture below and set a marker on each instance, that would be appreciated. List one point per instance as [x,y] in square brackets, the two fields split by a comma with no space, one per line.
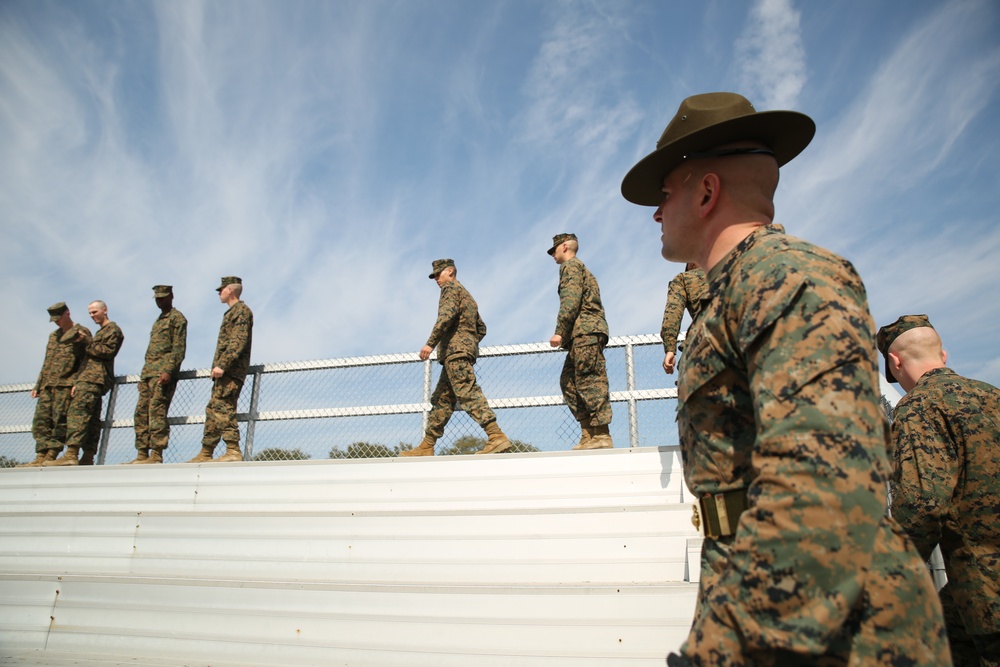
[547,559]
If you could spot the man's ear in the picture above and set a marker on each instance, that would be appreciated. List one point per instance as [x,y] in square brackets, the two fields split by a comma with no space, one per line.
[710,188]
[895,363]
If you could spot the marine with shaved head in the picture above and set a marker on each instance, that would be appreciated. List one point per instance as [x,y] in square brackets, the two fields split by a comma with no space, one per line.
[946,482]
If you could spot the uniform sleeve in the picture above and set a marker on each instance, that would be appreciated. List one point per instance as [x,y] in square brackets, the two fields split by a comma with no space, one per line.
[925,475]
[178,346]
[237,335]
[673,313]
[105,345]
[570,298]
[480,327]
[801,551]
[448,311]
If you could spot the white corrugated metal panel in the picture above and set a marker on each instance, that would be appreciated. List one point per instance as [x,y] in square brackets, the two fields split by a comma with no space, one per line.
[536,559]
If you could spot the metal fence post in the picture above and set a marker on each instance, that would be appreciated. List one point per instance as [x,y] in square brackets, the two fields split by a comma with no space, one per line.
[252,416]
[633,412]
[109,419]
[427,396]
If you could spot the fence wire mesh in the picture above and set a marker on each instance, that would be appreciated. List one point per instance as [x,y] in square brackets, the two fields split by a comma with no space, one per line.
[370,407]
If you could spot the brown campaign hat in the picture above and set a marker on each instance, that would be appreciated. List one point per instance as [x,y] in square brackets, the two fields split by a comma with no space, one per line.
[229,280]
[439,265]
[56,311]
[160,291]
[890,332]
[560,238]
[707,121]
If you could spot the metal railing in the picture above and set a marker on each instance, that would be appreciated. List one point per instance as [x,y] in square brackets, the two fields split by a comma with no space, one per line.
[366,407]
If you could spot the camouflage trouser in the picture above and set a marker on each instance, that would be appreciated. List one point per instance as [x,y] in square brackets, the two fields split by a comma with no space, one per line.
[83,419]
[457,384]
[151,426]
[584,381]
[896,620]
[48,426]
[220,413]
[967,650]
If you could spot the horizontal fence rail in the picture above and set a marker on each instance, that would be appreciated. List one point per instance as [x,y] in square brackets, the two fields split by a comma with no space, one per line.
[377,406]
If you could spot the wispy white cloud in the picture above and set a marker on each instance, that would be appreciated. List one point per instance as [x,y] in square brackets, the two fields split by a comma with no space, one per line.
[771,56]
[327,152]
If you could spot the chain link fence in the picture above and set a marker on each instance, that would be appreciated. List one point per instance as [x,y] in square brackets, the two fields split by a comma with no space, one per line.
[369,407]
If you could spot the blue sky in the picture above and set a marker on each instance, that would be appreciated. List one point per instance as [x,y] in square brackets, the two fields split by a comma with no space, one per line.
[327,152]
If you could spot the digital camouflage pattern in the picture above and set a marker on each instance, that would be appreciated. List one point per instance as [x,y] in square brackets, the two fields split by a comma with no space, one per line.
[167,345]
[220,413]
[457,385]
[232,352]
[83,417]
[98,366]
[63,356]
[458,328]
[685,292]
[779,396]
[584,331]
[584,382]
[581,312]
[456,333]
[946,487]
[232,355]
[164,354]
[94,379]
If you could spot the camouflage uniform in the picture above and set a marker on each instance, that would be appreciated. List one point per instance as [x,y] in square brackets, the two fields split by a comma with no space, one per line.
[779,410]
[165,353]
[232,355]
[946,491]
[94,379]
[584,332]
[685,291]
[63,356]
[457,333]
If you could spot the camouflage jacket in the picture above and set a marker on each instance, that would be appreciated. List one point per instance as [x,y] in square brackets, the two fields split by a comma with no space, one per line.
[167,345]
[232,352]
[458,328]
[63,356]
[99,360]
[778,395]
[685,291]
[946,486]
[580,310]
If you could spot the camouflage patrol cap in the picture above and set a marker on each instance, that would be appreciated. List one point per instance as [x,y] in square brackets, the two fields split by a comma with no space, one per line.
[160,291]
[56,311]
[560,238]
[229,280]
[890,332]
[439,265]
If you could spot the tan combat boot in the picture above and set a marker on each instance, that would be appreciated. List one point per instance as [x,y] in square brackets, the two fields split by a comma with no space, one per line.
[232,453]
[140,457]
[586,435]
[70,458]
[40,459]
[601,438]
[155,456]
[497,441]
[204,455]
[425,448]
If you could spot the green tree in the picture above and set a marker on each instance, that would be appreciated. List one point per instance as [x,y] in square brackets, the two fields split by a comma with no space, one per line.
[365,450]
[469,444]
[7,462]
[277,454]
